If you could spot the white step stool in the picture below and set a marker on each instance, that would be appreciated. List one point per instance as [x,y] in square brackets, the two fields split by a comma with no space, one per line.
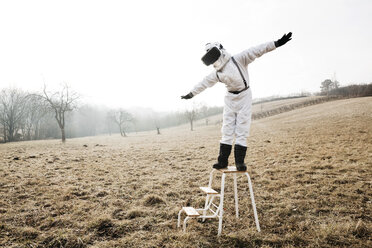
[217,211]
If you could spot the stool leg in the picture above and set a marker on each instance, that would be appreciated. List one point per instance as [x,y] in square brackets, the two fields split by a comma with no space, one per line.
[221,203]
[205,206]
[179,218]
[236,196]
[253,203]
[207,198]
[184,223]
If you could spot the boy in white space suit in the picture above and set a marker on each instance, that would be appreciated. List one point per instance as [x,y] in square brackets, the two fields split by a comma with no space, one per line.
[232,71]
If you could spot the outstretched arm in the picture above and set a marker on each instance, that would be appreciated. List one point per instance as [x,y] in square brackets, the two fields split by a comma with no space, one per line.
[207,82]
[249,55]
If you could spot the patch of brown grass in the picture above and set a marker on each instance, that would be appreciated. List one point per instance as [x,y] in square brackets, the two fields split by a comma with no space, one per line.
[152,200]
[62,240]
[135,213]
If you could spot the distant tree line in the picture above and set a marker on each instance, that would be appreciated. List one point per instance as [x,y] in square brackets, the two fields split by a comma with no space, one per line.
[355,90]
[60,115]
[332,88]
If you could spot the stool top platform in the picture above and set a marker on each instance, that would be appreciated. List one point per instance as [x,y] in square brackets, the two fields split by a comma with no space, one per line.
[231,169]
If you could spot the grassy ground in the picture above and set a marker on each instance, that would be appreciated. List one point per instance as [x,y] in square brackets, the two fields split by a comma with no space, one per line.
[311,170]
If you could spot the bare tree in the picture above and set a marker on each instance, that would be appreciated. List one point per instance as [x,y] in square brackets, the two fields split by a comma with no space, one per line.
[191,115]
[35,110]
[121,118]
[109,122]
[3,123]
[135,122]
[327,85]
[157,127]
[155,120]
[12,102]
[61,102]
[204,110]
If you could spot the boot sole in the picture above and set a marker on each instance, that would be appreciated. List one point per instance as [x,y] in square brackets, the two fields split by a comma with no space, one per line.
[219,167]
[241,168]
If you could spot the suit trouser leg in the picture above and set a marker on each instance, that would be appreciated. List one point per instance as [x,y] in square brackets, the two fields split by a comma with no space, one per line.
[243,124]
[228,126]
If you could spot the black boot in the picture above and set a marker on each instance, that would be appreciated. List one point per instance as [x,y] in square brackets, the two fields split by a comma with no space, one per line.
[239,152]
[223,158]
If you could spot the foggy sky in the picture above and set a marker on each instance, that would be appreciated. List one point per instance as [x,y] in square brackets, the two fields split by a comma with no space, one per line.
[147,53]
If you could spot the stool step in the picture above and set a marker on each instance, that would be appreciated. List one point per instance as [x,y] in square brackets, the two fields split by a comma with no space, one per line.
[190,211]
[209,190]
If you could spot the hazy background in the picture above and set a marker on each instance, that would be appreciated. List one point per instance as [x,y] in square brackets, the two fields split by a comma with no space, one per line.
[147,53]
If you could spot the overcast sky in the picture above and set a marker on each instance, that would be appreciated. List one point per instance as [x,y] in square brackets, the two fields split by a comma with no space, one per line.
[147,53]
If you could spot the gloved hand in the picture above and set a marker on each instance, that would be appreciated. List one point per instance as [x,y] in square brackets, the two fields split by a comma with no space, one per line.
[188,96]
[283,40]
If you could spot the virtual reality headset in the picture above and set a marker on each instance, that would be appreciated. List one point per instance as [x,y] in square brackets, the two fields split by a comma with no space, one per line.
[211,56]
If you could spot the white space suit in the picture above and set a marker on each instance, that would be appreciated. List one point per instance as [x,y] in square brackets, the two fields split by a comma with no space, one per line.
[238,106]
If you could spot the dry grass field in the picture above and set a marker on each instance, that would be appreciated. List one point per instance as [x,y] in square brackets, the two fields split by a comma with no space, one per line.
[311,170]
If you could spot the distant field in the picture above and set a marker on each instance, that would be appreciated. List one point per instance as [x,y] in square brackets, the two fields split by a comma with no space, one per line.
[280,103]
[311,170]
[267,106]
